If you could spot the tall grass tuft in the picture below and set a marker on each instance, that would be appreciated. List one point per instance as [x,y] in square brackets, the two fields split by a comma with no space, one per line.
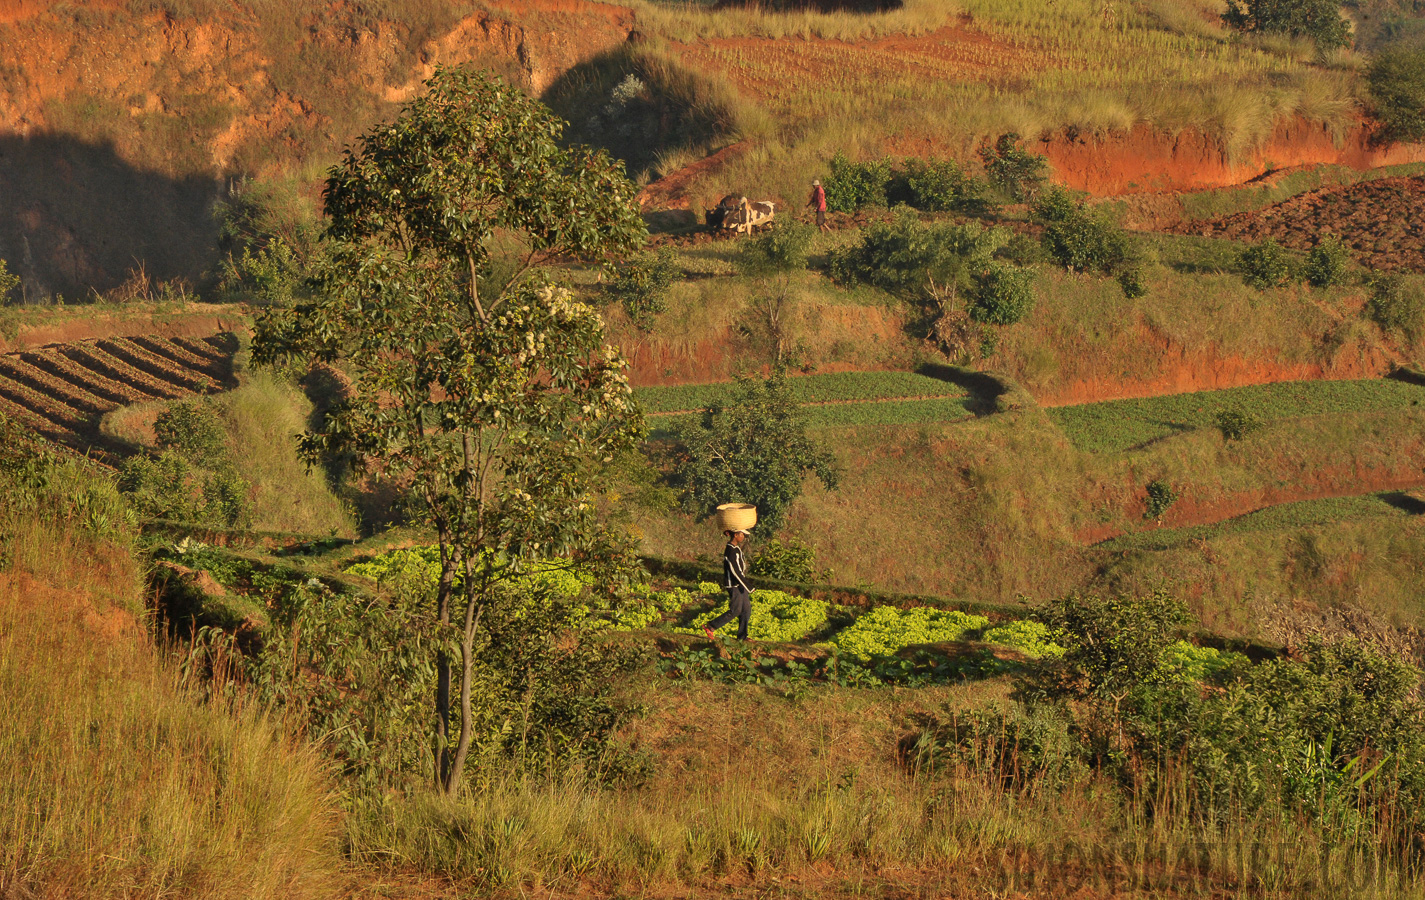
[115,780]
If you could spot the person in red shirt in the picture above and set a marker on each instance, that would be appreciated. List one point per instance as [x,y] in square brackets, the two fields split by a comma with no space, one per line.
[818,202]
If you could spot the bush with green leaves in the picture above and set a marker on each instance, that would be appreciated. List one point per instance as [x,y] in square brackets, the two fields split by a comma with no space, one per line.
[1396,84]
[937,185]
[1327,262]
[1016,172]
[1113,644]
[1319,20]
[192,477]
[1084,240]
[851,186]
[1235,424]
[752,449]
[1161,496]
[1191,663]
[1002,295]
[1395,304]
[1265,265]
[9,283]
[641,286]
[788,559]
[886,629]
[776,616]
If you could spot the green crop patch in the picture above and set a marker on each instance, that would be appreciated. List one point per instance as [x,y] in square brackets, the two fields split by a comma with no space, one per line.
[1284,517]
[839,387]
[1118,425]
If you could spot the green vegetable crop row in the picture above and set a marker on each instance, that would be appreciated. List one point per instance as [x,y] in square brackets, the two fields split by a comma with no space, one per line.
[804,389]
[1118,425]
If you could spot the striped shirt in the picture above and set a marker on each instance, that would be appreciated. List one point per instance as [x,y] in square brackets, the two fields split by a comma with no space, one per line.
[734,568]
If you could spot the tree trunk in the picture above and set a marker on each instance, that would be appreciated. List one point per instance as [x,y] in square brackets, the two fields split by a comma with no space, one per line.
[442,664]
[467,668]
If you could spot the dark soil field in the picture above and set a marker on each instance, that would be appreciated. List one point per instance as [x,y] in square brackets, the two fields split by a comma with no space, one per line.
[1382,222]
[62,391]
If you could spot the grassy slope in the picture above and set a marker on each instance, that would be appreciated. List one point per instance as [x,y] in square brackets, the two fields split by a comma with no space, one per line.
[114,779]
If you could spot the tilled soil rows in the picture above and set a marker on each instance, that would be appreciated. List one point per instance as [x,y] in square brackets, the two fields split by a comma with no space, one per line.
[63,390]
[1382,222]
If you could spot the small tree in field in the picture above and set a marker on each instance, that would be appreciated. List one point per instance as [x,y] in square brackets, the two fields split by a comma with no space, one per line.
[1319,20]
[495,399]
[8,283]
[753,450]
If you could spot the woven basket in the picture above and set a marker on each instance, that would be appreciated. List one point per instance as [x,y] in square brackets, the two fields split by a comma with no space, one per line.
[736,516]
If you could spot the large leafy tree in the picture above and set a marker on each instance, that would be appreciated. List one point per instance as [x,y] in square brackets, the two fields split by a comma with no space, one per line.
[485,388]
[754,450]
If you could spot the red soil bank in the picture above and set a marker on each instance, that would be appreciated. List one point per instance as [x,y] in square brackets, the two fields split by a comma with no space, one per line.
[1145,159]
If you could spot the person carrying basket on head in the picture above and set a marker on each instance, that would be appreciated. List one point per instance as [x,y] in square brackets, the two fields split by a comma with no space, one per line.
[734,579]
[818,202]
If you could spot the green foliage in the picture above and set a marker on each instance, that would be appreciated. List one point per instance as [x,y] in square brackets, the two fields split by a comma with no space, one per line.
[1034,639]
[1082,240]
[1161,496]
[1236,424]
[788,559]
[754,449]
[9,283]
[1396,83]
[775,617]
[1319,20]
[937,186]
[489,391]
[271,276]
[1395,305]
[779,250]
[172,486]
[830,388]
[908,256]
[852,186]
[1327,262]
[1191,663]
[885,630]
[1002,295]
[1113,645]
[1117,425]
[1017,173]
[192,428]
[1265,265]
[192,478]
[641,286]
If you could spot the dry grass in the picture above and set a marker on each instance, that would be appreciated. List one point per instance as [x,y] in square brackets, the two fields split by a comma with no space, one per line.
[115,781]
[811,796]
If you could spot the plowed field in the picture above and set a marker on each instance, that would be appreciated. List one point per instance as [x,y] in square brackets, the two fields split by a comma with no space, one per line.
[1382,222]
[62,391]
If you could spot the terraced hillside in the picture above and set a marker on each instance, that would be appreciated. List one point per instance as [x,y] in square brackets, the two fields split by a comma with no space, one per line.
[61,391]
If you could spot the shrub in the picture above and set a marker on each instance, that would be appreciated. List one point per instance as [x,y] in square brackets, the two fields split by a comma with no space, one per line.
[8,283]
[1082,240]
[1161,496]
[1394,305]
[1114,644]
[1002,295]
[938,186]
[1396,82]
[192,428]
[852,186]
[1265,265]
[1017,173]
[781,249]
[1236,424]
[754,449]
[641,286]
[1326,264]
[1319,20]
[788,560]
